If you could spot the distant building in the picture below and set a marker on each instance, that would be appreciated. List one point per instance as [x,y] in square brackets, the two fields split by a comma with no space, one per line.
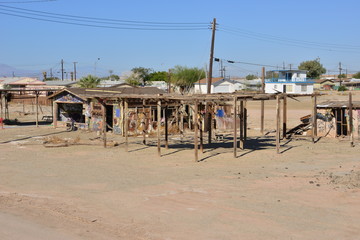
[21,83]
[324,84]
[289,81]
[218,85]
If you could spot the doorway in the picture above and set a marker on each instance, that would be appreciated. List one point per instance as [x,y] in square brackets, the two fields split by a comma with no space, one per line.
[109,117]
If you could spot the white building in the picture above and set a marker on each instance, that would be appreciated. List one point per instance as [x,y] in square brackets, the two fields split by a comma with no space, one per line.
[218,85]
[289,81]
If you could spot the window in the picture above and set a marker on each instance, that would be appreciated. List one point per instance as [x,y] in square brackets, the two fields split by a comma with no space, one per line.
[303,88]
[289,88]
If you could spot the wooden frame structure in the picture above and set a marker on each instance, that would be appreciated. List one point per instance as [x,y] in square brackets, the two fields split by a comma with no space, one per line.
[161,102]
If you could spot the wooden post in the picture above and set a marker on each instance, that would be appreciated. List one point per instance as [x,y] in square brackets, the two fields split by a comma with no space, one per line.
[1,105]
[166,128]
[144,122]
[158,127]
[314,123]
[126,124]
[241,124]
[262,102]
[277,124]
[55,114]
[235,127]
[201,132]
[103,108]
[195,118]
[182,119]
[37,107]
[351,127]
[122,117]
[284,115]
[245,122]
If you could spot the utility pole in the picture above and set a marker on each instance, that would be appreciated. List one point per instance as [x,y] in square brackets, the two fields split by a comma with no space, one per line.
[62,70]
[222,69]
[75,71]
[208,118]
[340,69]
[51,74]
[209,82]
[209,79]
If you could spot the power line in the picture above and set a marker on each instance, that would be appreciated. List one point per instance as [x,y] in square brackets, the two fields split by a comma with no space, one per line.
[247,63]
[34,1]
[251,33]
[102,26]
[105,22]
[293,42]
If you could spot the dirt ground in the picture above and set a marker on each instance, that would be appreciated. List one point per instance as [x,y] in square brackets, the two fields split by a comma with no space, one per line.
[84,191]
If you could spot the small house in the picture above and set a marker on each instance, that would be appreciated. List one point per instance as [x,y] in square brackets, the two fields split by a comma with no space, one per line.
[289,81]
[218,85]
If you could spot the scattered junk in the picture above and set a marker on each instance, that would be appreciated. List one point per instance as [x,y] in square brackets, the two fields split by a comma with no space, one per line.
[333,119]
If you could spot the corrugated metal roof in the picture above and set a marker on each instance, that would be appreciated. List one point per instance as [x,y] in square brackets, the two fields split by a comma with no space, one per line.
[338,104]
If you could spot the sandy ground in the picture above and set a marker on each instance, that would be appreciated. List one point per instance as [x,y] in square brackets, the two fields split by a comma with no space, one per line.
[84,191]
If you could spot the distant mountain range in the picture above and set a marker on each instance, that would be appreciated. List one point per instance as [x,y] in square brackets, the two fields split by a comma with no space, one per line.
[9,71]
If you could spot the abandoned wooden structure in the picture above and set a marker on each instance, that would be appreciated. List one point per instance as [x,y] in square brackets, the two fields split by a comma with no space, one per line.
[21,95]
[104,109]
[339,119]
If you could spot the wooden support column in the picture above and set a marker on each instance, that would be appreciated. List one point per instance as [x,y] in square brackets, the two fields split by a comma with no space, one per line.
[166,128]
[351,123]
[278,124]
[103,108]
[126,124]
[314,123]
[245,122]
[55,114]
[262,102]
[235,127]
[158,127]
[1,105]
[195,119]
[201,132]
[241,125]
[210,123]
[182,119]
[37,107]
[284,116]
[144,122]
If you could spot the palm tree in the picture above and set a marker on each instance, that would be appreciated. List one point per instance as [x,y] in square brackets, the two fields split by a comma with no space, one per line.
[89,81]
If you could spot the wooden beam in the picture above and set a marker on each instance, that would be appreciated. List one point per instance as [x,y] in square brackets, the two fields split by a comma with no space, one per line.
[235,127]
[158,127]
[144,123]
[201,132]
[262,101]
[126,124]
[278,124]
[195,118]
[241,124]
[103,108]
[166,128]
[284,116]
[55,114]
[37,107]
[314,123]
[122,120]
[245,123]
[351,123]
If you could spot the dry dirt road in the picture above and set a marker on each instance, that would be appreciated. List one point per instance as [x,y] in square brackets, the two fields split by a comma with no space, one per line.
[83,191]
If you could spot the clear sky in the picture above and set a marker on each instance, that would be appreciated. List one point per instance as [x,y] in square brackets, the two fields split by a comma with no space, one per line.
[276,33]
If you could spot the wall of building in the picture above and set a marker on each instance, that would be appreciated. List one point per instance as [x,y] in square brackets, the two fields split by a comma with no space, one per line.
[326,123]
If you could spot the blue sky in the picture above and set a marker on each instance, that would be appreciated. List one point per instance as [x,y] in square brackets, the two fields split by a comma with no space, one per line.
[264,32]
